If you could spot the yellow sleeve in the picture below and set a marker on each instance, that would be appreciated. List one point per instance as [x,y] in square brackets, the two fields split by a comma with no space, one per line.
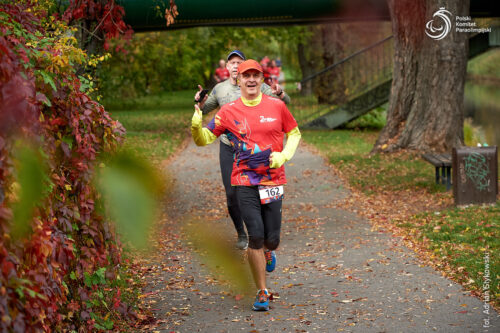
[202,136]
[292,142]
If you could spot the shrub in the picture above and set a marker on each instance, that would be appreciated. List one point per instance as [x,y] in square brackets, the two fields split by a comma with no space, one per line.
[53,268]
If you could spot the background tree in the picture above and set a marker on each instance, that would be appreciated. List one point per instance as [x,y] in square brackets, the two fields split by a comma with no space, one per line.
[426,107]
[326,44]
[331,87]
[308,55]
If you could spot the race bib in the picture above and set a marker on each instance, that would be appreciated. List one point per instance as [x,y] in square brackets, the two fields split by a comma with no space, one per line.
[270,193]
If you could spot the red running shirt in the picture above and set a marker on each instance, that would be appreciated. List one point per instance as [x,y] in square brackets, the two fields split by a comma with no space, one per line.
[254,132]
[274,72]
[222,73]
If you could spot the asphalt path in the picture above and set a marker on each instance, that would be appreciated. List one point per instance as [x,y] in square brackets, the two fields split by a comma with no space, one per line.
[334,273]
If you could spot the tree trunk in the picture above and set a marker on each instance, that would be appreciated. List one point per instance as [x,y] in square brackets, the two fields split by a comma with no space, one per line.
[426,106]
[309,54]
[89,39]
[306,68]
[331,87]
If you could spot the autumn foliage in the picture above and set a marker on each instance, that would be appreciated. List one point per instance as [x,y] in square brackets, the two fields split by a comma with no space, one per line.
[101,18]
[57,276]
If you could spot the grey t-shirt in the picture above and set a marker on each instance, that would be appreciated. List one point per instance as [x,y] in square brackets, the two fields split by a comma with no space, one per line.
[226,92]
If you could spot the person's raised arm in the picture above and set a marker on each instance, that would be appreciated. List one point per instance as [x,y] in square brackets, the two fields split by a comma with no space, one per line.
[197,97]
[277,91]
[210,102]
[202,136]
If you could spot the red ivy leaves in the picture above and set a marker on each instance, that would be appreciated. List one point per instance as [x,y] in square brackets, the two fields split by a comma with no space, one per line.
[17,92]
[107,15]
[69,234]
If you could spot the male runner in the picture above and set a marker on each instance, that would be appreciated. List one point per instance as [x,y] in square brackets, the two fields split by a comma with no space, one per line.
[221,73]
[255,125]
[222,93]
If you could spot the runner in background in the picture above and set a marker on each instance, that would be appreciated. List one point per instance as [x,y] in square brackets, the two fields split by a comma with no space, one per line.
[221,73]
[265,68]
[223,93]
[281,77]
[255,125]
[274,71]
[265,61]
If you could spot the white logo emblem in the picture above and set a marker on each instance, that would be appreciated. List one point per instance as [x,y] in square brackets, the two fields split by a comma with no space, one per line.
[266,120]
[441,31]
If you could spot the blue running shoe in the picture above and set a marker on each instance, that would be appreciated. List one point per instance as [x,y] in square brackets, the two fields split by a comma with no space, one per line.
[270,260]
[261,301]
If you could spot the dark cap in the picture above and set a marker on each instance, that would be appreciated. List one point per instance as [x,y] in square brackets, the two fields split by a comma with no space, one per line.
[237,53]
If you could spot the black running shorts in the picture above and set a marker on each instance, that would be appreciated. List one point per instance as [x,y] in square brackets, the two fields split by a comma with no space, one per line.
[263,222]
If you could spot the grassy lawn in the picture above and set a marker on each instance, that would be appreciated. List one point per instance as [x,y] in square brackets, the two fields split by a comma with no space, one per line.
[349,151]
[462,242]
[156,125]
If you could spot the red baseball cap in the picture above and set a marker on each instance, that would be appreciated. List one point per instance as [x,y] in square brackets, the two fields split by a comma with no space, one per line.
[249,64]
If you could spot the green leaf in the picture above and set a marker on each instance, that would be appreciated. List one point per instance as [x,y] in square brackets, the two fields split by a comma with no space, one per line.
[221,259]
[128,188]
[31,293]
[20,292]
[30,177]
[100,273]
[47,78]
[99,327]
[72,275]
[87,279]
[69,141]
[108,324]
[85,84]
[44,99]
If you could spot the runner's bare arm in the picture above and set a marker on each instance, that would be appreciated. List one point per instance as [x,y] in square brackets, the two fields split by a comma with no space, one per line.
[202,136]
[292,142]
[267,90]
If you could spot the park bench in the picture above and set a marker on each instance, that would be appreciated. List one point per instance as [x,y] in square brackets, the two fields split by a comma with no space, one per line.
[442,163]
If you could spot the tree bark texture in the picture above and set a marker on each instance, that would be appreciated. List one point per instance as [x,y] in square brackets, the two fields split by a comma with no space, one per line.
[309,58]
[426,107]
[89,39]
[306,68]
[331,87]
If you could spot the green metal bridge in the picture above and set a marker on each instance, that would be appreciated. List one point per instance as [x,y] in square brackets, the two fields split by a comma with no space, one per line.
[147,15]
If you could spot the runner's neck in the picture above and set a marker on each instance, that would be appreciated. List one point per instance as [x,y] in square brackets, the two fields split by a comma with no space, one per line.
[252,102]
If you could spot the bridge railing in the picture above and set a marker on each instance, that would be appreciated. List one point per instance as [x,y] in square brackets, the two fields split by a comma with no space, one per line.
[349,78]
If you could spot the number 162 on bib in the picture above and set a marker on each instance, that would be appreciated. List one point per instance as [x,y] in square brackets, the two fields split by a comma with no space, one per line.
[270,194]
